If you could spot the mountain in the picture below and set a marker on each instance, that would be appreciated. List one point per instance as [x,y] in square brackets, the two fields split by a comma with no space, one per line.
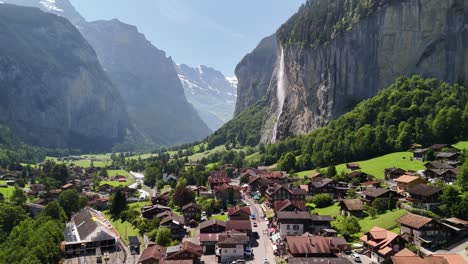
[210,92]
[332,54]
[148,82]
[53,91]
[254,73]
[143,74]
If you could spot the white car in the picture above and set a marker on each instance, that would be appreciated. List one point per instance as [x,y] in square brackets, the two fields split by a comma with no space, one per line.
[356,257]
[265,261]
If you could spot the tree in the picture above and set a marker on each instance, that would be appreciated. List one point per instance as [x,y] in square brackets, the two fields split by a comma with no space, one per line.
[183,196]
[54,211]
[10,216]
[119,203]
[163,238]
[151,175]
[380,205]
[371,211]
[347,226]
[287,162]
[18,197]
[304,162]
[69,200]
[462,177]
[103,173]
[331,171]
[450,201]
[322,200]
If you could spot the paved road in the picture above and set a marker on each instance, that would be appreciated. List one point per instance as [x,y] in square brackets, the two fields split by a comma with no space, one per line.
[139,180]
[265,246]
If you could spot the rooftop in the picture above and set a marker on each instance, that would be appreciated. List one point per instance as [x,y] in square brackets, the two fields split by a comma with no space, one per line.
[353,204]
[414,221]
[424,190]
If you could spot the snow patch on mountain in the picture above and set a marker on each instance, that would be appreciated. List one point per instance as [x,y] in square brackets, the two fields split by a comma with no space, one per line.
[50,5]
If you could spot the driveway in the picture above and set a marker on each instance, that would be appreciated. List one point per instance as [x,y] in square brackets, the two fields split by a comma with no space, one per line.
[265,246]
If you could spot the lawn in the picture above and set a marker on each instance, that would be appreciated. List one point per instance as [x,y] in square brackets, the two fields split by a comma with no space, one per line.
[113,173]
[386,220]
[84,163]
[254,156]
[221,217]
[462,145]
[125,229]
[333,210]
[6,192]
[199,156]
[376,166]
[129,181]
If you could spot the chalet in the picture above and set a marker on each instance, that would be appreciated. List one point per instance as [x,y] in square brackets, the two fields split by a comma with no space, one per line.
[423,231]
[369,195]
[239,213]
[458,227]
[191,211]
[289,206]
[324,185]
[357,176]
[420,154]
[217,178]
[320,222]
[443,147]
[293,223]
[406,256]
[448,156]
[447,175]
[150,211]
[309,247]
[404,182]
[183,252]
[87,231]
[352,207]
[424,196]
[208,242]
[227,193]
[212,226]
[280,177]
[176,224]
[278,192]
[353,166]
[382,244]
[161,200]
[67,186]
[152,254]
[231,246]
[244,226]
[438,164]
[393,173]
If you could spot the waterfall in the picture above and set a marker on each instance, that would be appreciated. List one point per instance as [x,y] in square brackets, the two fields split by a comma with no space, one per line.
[280,91]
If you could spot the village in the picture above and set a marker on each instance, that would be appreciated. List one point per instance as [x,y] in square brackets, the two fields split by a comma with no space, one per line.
[261,215]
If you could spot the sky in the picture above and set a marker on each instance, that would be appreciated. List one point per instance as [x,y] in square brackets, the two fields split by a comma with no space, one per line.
[216,33]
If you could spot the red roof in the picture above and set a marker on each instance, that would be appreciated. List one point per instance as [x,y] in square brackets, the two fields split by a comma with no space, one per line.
[239,211]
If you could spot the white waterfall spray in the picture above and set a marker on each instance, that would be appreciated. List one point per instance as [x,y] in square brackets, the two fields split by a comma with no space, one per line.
[280,91]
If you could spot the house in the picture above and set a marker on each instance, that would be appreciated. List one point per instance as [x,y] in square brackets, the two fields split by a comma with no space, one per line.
[227,193]
[338,260]
[244,226]
[289,206]
[183,252]
[208,242]
[314,175]
[152,255]
[443,147]
[352,207]
[239,213]
[448,156]
[67,186]
[393,173]
[353,166]
[169,177]
[438,164]
[309,247]
[369,195]
[357,176]
[150,211]
[420,154]
[231,246]
[320,222]
[406,256]
[217,178]
[459,227]
[176,224]
[160,199]
[424,196]
[404,182]
[212,226]
[447,175]
[293,223]
[87,231]
[278,192]
[422,231]
[382,244]
[337,190]
[280,177]
[191,211]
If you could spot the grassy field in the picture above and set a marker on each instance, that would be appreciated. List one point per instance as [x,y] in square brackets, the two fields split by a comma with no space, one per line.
[113,173]
[377,165]
[219,217]
[254,156]
[124,228]
[462,145]
[84,163]
[386,221]
[6,192]
[333,210]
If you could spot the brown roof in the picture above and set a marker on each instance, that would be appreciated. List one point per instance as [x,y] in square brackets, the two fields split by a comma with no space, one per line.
[212,222]
[405,253]
[208,237]
[339,260]
[432,259]
[379,239]
[353,204]
[414,221]
[187,206]
[232,239]
[452,258]
[424,189]
[152,253]
[457,221]
[407,178]
[308,245]
[237,210]
[238,225]
[375,192]
[284,215]
[177,261]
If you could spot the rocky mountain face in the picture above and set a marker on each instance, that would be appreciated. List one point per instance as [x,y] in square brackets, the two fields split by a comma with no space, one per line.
[148,82]
[210,92]
[58,7]
[254,73]
[323,78]
[53,91]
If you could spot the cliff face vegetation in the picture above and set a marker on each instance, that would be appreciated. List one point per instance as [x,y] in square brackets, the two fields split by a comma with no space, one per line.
[53,91]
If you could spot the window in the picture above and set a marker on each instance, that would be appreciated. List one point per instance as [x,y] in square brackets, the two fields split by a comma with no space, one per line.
[287,227]
[225,251]
[295,227]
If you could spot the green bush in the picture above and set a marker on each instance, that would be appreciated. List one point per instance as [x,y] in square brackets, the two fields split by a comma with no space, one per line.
[322,200]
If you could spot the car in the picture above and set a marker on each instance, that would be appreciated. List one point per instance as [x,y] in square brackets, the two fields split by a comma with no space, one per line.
[253,217]
[356,257]
[248,252]
[203,213]
[255,224]
[265,261]
[239,261]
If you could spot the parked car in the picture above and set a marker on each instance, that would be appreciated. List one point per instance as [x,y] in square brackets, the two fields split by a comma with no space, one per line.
[265,261]
[253,217]
[255,224]
[356,257]
[239,261]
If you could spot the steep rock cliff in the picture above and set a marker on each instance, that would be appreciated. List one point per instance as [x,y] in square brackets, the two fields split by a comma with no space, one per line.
[426,37]
[53,91]
[254,73]
[147,81]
